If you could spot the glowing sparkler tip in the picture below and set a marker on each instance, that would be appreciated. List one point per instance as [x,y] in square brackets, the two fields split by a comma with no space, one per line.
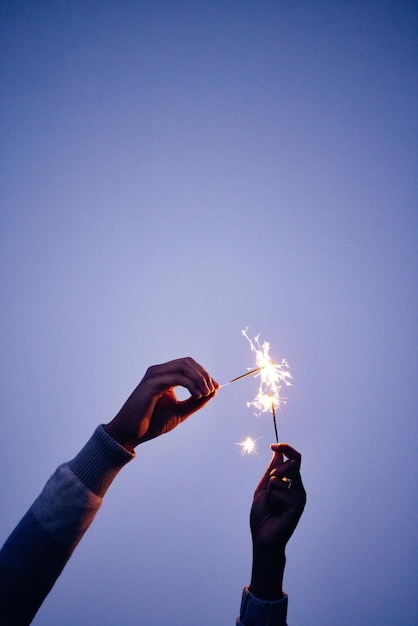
[248,446]
[272,375]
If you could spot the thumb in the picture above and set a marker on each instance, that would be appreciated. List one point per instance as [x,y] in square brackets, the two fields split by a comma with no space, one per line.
[191,405]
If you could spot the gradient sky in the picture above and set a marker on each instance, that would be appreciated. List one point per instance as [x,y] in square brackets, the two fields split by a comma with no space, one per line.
[171,173]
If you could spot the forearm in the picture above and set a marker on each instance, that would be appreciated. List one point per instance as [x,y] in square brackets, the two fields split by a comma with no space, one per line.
[40,546]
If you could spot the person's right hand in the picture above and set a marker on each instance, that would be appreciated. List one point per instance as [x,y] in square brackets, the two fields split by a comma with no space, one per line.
[153,408]
[278,503]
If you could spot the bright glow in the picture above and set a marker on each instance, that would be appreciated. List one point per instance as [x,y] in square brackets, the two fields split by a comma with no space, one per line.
[272,375]
[248,446]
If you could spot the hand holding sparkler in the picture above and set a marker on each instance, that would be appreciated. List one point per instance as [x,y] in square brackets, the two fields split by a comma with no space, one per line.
[153,408]
[278,504]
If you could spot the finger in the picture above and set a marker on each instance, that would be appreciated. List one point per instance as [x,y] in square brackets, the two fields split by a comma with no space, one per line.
[210,382]
[191,405]
[288,451]
[181,372]
[276,461]
[283,476]
[288,495]
[287,468]
[193,376]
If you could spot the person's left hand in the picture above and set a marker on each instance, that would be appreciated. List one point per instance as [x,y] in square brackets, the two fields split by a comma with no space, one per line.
[153,408]
[278,503]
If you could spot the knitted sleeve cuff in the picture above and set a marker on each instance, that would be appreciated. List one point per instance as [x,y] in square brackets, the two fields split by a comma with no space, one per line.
[255,612]
[98,462]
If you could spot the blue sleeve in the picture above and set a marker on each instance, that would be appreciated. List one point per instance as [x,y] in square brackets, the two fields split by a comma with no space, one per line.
[255,612]
[41,544]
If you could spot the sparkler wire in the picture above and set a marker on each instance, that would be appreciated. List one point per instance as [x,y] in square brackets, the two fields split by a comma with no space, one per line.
[234,380]
[274,422]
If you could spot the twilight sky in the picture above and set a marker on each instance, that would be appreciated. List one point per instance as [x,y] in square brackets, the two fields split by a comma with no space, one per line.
[171,173]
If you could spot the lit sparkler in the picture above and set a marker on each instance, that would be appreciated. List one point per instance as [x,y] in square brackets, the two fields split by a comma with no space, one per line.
[272,375]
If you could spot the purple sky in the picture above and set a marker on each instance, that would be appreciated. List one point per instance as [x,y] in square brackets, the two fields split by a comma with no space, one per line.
[173,172]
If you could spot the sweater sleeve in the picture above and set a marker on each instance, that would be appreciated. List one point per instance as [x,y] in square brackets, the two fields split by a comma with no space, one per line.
[255,612]
[39,547]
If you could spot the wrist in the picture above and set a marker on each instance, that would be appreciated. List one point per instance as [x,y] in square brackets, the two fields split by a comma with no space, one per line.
[267,574]
[120,436]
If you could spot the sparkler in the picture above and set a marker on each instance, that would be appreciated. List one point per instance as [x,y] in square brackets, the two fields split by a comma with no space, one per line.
[271,375]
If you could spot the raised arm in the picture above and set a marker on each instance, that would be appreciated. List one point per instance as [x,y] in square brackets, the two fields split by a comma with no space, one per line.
[278,503]
[39,547]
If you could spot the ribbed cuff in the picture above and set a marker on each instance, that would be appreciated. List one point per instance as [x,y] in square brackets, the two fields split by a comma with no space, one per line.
[97,464]
[255,612]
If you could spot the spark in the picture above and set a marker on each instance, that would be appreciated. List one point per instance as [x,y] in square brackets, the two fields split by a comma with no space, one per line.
[248,446]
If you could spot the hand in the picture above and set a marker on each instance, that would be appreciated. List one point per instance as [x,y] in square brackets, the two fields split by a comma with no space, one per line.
[153,409]
[278,503]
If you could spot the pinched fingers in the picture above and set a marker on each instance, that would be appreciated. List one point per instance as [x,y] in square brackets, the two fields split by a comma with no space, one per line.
[285,489]
[283,474]
[185,372]
[279,449]
[284,449]
[195,377]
